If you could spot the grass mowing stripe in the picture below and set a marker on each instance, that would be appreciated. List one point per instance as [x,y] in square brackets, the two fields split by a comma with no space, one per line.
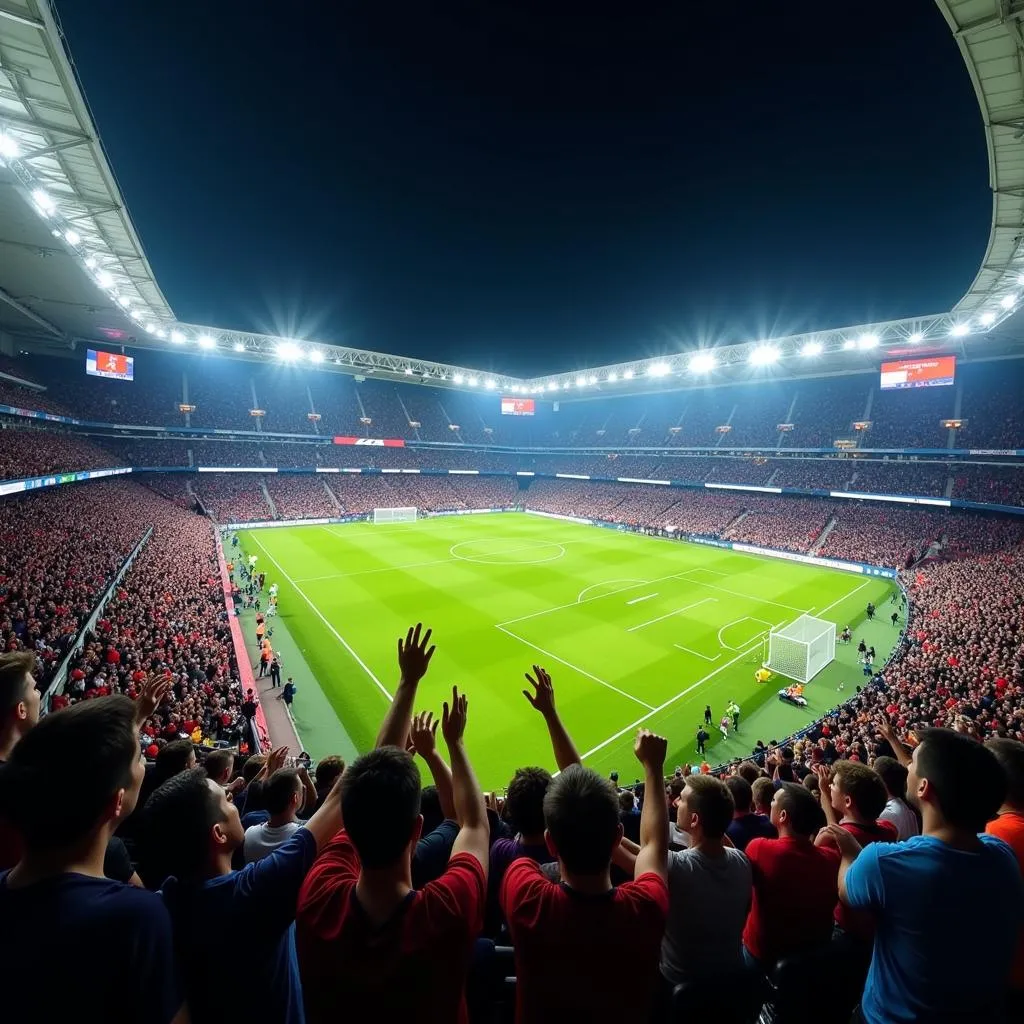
[668,615]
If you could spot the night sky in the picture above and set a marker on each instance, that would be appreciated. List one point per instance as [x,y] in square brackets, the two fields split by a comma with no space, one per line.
[540,186]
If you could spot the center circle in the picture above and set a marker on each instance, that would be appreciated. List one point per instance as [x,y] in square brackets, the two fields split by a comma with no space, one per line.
[507,551]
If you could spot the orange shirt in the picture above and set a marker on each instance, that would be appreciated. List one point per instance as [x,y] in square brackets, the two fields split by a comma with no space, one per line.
[1010,828]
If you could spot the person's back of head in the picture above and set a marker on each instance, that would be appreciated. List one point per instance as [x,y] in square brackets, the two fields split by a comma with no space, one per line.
[1010,755]
[742,793]
[253,766]
[327,772]
[893,775]
[524,801]
[87,757]
[859,789]
[706,805]
[795,811]
[184,821]
[957,777]
[763,791]
[626,802]
[282,792]
[176,756]
[219,765]
[19,698]
[749,771]
[581,812]
[380,805]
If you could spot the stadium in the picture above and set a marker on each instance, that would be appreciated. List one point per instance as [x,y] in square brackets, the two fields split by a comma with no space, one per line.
[780,555]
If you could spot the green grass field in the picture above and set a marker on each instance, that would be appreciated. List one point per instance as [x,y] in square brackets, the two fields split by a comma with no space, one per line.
[633,629]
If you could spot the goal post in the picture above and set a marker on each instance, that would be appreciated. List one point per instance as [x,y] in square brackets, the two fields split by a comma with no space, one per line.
[394,515]
[803,648]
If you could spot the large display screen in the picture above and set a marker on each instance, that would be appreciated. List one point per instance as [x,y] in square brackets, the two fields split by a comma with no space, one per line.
[109,364]
[919,373]
[517,407]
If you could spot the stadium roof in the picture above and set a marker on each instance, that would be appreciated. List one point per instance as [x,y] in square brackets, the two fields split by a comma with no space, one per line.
[74,268]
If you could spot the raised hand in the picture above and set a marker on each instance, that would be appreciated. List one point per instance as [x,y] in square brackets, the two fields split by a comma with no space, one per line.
[650,749]
[884,724]
[543,696]
[423,734]
[414,655]
[154,690]
[453,718]
[276,759]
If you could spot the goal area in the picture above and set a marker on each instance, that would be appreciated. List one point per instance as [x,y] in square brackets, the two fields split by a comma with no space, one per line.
[394,515]
[803,648]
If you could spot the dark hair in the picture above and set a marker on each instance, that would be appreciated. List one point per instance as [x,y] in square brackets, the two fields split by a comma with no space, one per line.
[806,817]
[380,802]
[581,811]
[328,770]
[525,800]
[969,782]
[175,826]
[863,786]
[1010,755]
[172,759]
[711,800]
[253,766]
[626,801]
[85,754]
[742,794]
[762,791]
[217,761]
[430,808]
[749,771]
[14,667]
[893,774]
[279,789]
[785,771]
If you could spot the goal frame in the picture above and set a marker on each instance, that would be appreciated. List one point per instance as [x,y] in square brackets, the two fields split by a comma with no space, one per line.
[802,649]
[396,514]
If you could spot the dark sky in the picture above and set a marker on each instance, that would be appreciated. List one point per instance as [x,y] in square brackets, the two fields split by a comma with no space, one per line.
[540,186]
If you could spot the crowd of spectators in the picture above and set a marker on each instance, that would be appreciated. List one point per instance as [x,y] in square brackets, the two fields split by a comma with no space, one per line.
[301,497]
[792,524]
[37,452]
[233,498]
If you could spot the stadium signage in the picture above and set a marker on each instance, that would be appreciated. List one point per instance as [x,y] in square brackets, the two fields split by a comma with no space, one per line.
[377,442]
[902,498]
[236,469]
[56,479]
[994,451]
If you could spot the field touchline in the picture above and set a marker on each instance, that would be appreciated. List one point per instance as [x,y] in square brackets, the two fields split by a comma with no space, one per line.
[344,643]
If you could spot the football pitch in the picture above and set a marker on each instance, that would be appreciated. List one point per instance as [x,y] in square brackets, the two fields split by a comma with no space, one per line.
[634,630]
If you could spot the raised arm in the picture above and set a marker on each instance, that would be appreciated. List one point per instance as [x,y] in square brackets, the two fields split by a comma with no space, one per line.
[474,830]
[902,752]
[650,751]
[154,690]
[413,661]
[309,793]
[423,736]
[849,850]
[543,699]
[327,821]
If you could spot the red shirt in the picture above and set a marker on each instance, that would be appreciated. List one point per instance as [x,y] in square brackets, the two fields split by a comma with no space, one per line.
[860,923]
[562,937]
[352,969]
[796,885]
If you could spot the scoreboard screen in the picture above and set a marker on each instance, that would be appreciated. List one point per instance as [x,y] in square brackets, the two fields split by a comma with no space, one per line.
[109,364]
[930,372]
[517,407]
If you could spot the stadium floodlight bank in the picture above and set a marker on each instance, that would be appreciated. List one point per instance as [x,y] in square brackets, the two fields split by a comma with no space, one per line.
[394,515]
[803,648]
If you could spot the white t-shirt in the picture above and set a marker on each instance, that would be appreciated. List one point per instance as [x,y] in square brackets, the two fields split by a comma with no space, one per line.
[902,817]
[261,840]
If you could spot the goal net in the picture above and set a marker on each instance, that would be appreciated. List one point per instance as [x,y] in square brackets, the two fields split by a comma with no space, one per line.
[394,515]
[803,648]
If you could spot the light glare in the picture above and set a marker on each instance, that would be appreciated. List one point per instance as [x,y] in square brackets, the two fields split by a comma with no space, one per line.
[238,346]
[1008,301]
[72,237]
[177,337]
[704,362]
[916,337]
[848,344]
[628,375]
[960,330]
[288,350]
[987,319]
[812,348]
[764,354]
[43,201]
[205,341]
[867,341]
[9,149]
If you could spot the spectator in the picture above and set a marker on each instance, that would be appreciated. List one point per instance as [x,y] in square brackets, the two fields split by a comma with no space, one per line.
[353,949]
[283,795]
[916,973]
[745,824]
[763,791]
[897,811]
[328,770]
[794,882]
[89,754]
[19,699]
[709,888]
[220,766]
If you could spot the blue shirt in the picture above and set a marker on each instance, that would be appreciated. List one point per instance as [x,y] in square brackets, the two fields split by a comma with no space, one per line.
[256,906]
[74,945]
[947,924]
[750,826]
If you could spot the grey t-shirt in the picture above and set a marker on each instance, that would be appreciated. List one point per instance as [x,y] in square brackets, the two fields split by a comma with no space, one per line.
[262,840]
[709,897]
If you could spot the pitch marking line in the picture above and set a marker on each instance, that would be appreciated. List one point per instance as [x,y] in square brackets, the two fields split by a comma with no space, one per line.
[367,572]
[344,643]
[637,600]
[677,611]
[736,593]
[575,668]
[697,653]
[736,622]
[630,584]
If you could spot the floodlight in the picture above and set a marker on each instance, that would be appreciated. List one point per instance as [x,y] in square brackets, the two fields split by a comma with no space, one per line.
[812,348]
[960,330]
[288,350]
[238,346]
[628,375]
[659,370]
[72,237]
[916,337]
[150,328]
[764,354]
[104,279]
[1008,301]
[316,356]
[160,332]
[565,386]
[177,337]
[91,262]
[472,382]
[591,379]
[612,377]
[490,384]
[703,362]
[580,381]
[408,371]
[552,386]
[205,341]
[122,301]
[866,341]
[44,202]
[987,319]
[458,378]
[9,149]
[848,344]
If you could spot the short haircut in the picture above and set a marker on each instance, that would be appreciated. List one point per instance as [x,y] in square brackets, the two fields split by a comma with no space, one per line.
[253,766]
[626,799]
[380,802]
[968,781]
[430,808]
[524,800]
[711,800]
[806,817]
[279,790]
[742,794]
[1010,755]
[84,753]
[763,790]
[218,760]
[172,759]
[14,668]
[175,826]
[863,786]
[581,811]
[328,770]
[893,775]
[749,771]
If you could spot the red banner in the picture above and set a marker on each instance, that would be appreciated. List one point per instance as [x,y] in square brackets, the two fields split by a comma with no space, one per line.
[377,442]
